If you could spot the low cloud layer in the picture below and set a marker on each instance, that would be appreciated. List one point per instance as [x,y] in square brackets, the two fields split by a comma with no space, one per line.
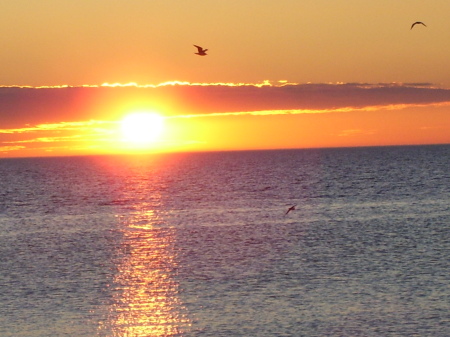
[61,120]
[89,114]
[31,106]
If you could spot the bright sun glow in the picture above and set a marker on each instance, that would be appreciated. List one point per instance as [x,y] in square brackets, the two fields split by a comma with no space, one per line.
[142,129]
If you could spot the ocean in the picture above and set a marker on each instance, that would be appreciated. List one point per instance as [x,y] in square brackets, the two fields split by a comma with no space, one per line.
[199,244]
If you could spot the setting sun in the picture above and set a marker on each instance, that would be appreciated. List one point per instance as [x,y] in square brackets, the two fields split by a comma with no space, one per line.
[142,128]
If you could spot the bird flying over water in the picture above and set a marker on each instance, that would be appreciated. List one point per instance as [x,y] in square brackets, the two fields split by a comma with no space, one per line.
[417,23]
[290,209]
[201,51]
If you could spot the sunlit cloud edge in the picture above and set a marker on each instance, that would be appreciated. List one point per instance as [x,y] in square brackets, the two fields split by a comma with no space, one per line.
[269,83]
[311,111]
[65,126]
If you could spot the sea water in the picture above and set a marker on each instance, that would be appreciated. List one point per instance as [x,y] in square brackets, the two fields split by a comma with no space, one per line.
[199,244]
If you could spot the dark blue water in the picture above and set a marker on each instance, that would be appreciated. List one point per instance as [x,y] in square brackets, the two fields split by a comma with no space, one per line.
[199,244]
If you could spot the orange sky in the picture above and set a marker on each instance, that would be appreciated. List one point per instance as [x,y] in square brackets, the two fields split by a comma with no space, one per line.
[53,42]
[372,79]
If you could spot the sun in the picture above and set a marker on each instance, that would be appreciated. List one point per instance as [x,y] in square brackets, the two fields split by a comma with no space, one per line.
[142,129]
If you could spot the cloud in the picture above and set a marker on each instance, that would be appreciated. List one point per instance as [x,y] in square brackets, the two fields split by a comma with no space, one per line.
[21,106]
[73,138]
[63,117]
[5,149]
[57,135]
[66,126]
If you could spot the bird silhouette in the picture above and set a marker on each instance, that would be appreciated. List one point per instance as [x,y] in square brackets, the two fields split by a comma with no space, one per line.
[201,51]
[290,209]
[417,23]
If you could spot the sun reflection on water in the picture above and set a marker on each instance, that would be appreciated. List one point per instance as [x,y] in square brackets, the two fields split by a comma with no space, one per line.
[146,293]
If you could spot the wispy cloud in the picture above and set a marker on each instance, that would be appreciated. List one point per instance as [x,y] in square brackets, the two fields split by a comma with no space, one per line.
[9,148]
[58,136]
[56,139]
[163,84]
[66,126]
[185,83]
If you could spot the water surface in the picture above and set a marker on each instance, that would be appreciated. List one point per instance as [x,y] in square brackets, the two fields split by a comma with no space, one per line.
[199,244]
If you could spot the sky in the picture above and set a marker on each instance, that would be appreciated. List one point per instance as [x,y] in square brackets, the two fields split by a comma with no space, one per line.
[278,74]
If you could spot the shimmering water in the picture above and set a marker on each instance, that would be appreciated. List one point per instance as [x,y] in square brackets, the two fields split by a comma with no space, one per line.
[199,244]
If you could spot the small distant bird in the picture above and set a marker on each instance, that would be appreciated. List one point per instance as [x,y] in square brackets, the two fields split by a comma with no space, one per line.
[290,209]
[201,51]
[417,23]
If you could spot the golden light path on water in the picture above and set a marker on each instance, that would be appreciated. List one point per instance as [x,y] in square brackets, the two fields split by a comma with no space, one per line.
[146,294]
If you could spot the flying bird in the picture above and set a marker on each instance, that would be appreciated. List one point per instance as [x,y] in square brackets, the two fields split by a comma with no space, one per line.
[290,209]
[417,23]
[201,51]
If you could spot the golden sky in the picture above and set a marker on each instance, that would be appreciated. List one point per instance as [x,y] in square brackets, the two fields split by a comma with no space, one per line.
[293,73]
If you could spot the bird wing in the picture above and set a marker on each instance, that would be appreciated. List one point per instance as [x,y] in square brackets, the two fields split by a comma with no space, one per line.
[200,49]
[417,23]
[290,209]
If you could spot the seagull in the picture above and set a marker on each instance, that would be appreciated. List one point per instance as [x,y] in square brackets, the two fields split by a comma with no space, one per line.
[201,51]
[417,23]
[290,209]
